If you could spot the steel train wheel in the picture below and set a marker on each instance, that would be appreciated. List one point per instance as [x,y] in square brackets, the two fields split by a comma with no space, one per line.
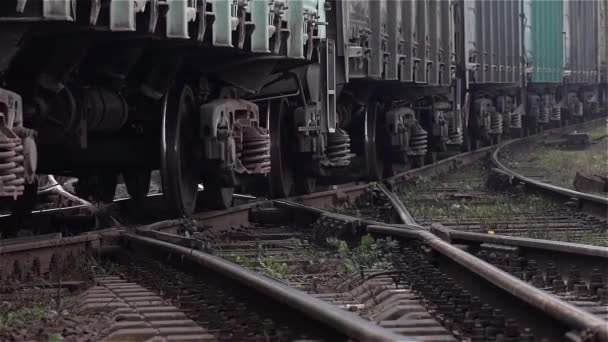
[137,182]
[281,157]
[25,204]
[218,198]
[305,185]
[374,149]
[178,167]
[99,187]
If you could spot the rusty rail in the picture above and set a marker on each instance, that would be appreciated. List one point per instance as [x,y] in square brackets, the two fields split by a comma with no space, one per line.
[343,321]
[589,202]
[550,305]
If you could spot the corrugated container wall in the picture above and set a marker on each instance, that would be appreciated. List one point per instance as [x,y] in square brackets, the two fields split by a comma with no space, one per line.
[409,41]
[493,40]
[582,40]
[604,40]
[544,40]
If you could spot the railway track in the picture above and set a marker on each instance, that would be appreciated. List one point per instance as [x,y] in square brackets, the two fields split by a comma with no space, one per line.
[591,203]
[476,199]
[429,288]
[282,243]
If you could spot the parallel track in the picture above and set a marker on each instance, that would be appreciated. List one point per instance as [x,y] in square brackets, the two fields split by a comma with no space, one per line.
[450,284]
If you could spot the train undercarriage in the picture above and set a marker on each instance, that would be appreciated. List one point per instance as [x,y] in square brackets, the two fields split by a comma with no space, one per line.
[100,105]
[98,116]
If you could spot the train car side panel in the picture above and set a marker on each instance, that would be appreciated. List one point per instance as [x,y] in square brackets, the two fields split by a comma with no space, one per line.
[493,40]
[545,41]
[582,30]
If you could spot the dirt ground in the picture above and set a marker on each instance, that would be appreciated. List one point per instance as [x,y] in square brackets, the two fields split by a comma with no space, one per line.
[38,314]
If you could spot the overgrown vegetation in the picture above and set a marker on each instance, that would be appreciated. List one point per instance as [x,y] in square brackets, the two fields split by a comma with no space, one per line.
[371,253]
[23,314]
[274,267]
[599,131]
[427,198]
[271,265]
[497,207]
[560,165]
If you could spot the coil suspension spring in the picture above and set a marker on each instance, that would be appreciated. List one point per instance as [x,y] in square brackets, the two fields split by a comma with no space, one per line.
[12,181]
[338,147]
[556,114]
[255,152]
[543,115]
[418,141]
[496,123]
[515,120]
[594,108]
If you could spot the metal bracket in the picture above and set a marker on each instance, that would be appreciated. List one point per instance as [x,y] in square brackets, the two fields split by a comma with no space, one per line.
[328,74]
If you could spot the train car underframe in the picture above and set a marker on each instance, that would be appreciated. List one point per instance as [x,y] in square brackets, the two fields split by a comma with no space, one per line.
[495,112]
[147,106]
[105,107]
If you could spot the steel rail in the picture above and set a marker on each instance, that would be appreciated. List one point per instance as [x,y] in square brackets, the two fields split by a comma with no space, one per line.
[343,321]
[551,305]
[553,188]
[399,207]
[549,245]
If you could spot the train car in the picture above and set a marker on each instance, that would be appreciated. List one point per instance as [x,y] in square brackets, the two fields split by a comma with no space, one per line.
[124,87]
[270,96]
[582,27]
[394,79]
[230,93]
[492,32]
[603,43]
[544,62]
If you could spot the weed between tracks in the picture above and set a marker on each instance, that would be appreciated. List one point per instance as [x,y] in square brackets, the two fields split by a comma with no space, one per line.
[46,307]
[463,201]
[333,261]
[560,166]
[371,253]
[463,196]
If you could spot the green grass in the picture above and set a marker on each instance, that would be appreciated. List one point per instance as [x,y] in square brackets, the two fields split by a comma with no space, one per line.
[561,166]
[419,199]
[371,253]
[23,314]
[599,131]
[499,206]
[273,267]
[594,238]
[270,265]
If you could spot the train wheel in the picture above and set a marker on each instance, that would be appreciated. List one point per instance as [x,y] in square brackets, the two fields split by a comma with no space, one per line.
[305,185]
[178,167]
[496,139]
[374,149]
[466,141]
[391,169]
[216,197]
[100,187]
[137,183]
[430,158]
[417,161]
[25,204]
[281,157]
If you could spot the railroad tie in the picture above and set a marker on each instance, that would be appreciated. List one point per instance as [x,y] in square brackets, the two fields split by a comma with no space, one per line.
[139,314]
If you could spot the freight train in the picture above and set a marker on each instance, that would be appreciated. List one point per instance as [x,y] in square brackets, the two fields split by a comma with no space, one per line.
[272,95]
